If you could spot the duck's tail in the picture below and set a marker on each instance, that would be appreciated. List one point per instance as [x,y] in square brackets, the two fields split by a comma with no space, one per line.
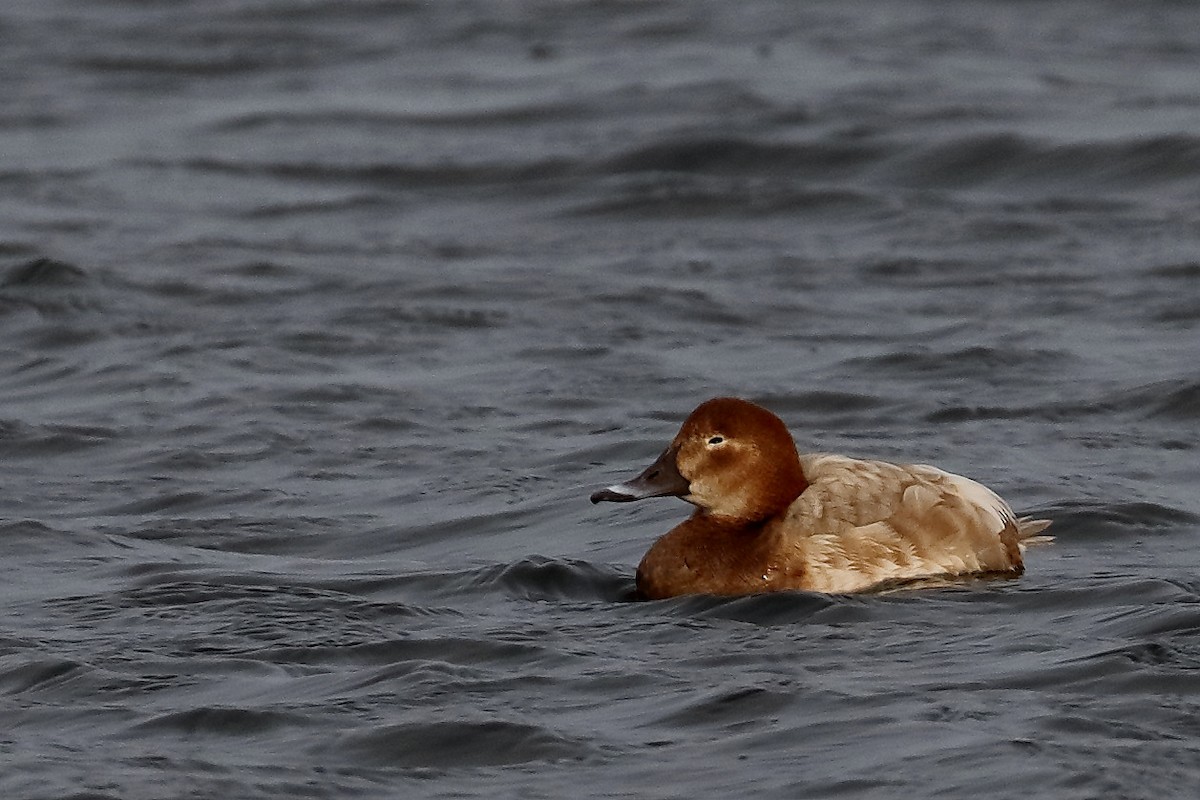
[1028,529]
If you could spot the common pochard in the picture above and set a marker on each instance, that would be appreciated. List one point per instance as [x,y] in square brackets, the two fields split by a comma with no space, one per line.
[769,519]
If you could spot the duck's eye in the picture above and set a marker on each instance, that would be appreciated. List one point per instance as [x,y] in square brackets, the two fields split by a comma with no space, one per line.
[716,440]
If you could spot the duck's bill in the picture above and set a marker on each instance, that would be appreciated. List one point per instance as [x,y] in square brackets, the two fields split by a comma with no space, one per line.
[660,479]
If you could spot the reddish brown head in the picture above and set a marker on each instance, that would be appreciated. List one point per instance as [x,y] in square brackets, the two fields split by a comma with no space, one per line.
[732,459]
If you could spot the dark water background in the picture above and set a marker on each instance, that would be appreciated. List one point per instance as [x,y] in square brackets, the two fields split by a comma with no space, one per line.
[319,319]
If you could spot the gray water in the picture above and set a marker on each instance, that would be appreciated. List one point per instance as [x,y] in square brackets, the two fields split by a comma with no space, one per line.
[319,321]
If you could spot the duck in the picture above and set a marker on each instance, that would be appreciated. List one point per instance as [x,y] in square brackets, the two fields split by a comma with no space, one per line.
[770,519]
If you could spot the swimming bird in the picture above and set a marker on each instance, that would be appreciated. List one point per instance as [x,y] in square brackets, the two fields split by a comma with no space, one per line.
[770,519]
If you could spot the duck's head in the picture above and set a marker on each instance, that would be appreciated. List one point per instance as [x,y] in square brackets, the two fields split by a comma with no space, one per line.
[732,459]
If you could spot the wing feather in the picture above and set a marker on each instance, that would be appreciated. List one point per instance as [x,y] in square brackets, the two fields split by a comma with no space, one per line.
[870,521]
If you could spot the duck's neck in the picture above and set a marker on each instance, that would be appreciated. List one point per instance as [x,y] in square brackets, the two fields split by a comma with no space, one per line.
[704,523]
[775,494]
[791,485]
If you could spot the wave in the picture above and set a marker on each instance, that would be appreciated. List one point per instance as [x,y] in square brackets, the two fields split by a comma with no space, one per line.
[956,162]
[51,288]
[776,608]
[966,360]
[402,590]
[1156,654]
[734,198]
[43,272]
[820,401]
[742,705]
[390,175]
[529,578]
[731,176]
[742,156]
[460,744]
[220,721]
[999,158]
[47,674]
[540,578]
[21,538]
[1174,400]
[1184,271]
[387,120]
[22,440]
[1091,519]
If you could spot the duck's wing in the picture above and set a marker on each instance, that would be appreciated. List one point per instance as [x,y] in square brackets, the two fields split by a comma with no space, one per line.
[864,522]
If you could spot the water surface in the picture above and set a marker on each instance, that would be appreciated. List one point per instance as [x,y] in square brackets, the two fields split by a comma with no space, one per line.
[319,321]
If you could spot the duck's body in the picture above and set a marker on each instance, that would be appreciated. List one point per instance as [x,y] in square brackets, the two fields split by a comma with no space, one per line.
[858,524]
[769,519]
